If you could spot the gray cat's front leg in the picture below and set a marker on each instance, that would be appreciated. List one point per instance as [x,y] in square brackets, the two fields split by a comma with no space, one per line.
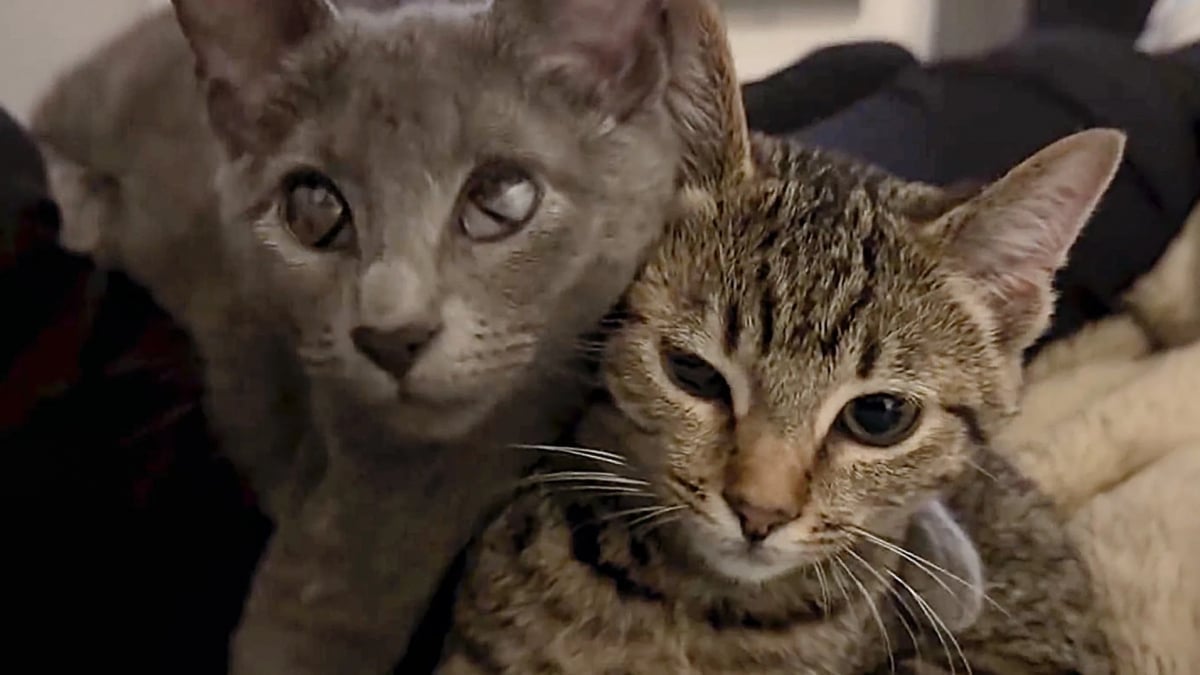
[341,588]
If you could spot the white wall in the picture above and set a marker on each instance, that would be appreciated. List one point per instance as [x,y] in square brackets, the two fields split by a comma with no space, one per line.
[38,38]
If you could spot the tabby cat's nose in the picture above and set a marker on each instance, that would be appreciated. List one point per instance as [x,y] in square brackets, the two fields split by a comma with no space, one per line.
[758,522]
[396,350]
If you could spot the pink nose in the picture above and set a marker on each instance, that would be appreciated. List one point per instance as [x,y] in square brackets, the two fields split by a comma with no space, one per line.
[758,522]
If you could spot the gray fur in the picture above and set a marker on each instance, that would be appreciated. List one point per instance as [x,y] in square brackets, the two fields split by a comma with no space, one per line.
[367,487]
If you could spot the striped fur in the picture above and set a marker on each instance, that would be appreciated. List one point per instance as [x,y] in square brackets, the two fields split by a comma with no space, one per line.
[803,281]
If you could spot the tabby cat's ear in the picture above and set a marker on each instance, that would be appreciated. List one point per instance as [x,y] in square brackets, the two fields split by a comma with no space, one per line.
[1015,235]
[238,45]
[609,53]
[705,96]
[950,580]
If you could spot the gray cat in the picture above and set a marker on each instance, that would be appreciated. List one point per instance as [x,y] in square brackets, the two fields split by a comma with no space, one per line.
[386,232]
[798,394]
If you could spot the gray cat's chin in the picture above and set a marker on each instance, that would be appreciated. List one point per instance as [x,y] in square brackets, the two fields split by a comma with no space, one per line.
[434,420]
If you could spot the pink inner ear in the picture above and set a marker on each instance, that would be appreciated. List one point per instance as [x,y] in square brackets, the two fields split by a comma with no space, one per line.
[602,37]
[240,40]
[1014,237]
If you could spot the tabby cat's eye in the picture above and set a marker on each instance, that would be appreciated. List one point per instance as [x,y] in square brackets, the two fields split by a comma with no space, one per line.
[695,376]
[316,212]
[499,199]
[879,420]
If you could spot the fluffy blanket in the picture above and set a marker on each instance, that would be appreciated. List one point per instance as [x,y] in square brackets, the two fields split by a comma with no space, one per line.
[1111,429]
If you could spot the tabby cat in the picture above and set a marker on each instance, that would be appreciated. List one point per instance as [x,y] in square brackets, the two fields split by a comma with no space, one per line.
[798,392]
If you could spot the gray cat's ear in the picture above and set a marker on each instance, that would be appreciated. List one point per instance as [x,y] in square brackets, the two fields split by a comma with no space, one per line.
[238,45]
[1015,235]
[950,576]
[611,54]
[706,97]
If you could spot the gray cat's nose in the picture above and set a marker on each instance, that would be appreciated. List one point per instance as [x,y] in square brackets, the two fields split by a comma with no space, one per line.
[758,522]
[396,350]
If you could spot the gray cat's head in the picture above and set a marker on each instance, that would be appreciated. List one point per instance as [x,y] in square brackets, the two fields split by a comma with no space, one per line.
[813,353]
[437,197]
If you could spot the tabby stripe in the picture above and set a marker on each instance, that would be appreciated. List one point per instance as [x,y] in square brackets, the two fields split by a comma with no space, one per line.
[831,340]
[766,318]
[868,359]
[733,326]
[970,420]
[721,616]
[585,547]
[769,240]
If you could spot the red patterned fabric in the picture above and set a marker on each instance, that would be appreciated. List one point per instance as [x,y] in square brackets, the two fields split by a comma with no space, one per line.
[135,539]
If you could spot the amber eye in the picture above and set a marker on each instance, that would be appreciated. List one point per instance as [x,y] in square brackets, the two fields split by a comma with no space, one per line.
[696,376]
[316,212]
[879,420]
[499,199]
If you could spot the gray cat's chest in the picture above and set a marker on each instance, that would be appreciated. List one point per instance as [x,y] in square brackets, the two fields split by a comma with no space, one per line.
[551,591]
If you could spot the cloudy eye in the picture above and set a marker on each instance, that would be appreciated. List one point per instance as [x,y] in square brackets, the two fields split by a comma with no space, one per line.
[499,199]
[879,420]
[695,376]
[316,212]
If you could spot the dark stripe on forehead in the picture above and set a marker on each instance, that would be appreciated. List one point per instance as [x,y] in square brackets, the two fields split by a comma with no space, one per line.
[870,254]
[769,240]
[832,339]
[970,419]
[868,358]
[766,317]
[733,326]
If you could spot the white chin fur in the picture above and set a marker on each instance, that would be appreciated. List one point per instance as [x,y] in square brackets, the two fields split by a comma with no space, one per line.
[747,571]
[731,560]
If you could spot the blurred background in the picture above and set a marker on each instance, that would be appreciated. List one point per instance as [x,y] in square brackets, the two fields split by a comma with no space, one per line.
[766,34]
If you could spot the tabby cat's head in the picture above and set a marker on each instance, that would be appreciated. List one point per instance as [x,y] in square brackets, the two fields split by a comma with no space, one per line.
[816,347]
[437,196]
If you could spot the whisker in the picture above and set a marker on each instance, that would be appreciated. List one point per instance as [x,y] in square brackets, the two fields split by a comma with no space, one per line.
[647,524]
[939,626]
[647,510]
[925,565]
[597,477]
[887,641]
[975,465]
[600,491]
[837,577]
[820,568]
[601,456]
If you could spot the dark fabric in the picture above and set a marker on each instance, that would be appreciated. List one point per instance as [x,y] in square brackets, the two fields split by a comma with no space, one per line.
[974,120]
[1124,18]
[822,84]
[134,541]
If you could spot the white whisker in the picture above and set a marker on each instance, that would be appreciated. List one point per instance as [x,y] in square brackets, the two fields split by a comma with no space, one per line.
[939,627]
[655,520]
[820,568]
[925,565]
[644,510]
[599,491]
[975,465]
[602,456]
[594,477]
[871,604]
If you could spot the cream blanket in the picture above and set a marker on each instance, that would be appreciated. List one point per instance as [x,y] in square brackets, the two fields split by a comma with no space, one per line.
[1111,428]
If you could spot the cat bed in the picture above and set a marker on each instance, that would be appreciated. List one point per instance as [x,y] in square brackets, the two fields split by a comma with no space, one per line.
[1109,429]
